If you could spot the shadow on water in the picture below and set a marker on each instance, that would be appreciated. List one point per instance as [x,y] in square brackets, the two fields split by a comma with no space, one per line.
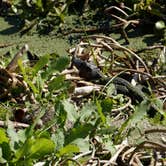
[15,23]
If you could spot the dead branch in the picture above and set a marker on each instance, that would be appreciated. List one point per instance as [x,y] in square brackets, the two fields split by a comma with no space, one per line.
[15,124]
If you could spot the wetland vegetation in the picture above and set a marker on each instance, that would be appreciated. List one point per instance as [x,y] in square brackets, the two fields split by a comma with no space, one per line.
[82,82]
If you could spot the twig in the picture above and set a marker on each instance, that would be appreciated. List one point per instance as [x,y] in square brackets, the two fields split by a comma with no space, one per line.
[107,46]
[149,48]
[70,159]
[82,155]
[132,53]
[13,64]
[136,159]
[152,145]
[117,8]
[103,37]
[15,124]
[127,152]
[85,90]
[162,97]
[135,71]
[114,158]
[117,46]
[161,76]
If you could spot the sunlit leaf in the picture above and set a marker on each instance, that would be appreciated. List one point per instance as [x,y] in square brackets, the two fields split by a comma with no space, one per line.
[88,113]
[35,148]
[3,137]
[68,150]
[39,4]
[40,147]
[99,109]
[58,139]
[82,143]
[110,89]
[71,111]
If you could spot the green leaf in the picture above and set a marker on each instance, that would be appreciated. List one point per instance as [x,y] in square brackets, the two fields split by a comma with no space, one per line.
[106,105]
[110,89]
[88,113]
[40,64]
[99,109]
[32,86]
[30,130]
[158,104]
[3,137]
[40,147]
[80,131]
[2,160]
[83,144]
[71,111]
[22,151]
[68,150]
[61,114]
[39,4]
[14,139]
[5,151]
[58,139]
[56,84]
[60,63]
[34,148]
[137,116]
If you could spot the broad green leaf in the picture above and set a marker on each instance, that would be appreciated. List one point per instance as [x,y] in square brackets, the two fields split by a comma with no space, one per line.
[157,103]
[88,113]
[138,115]
[72,114]
[2,160]
[22,151]
[5,150]
[80,131]
[39,4]
[83,144]
[60,63]
[56,84]
[40,64]
[68,150]
[40,147]
[99,109]
[14,139]
[106,105]
[110,89]
[3,137]
[35,148]
[58,139]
